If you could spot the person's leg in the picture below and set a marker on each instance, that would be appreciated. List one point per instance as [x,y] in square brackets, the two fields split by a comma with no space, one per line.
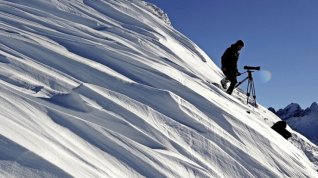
[224,81]
[233,81]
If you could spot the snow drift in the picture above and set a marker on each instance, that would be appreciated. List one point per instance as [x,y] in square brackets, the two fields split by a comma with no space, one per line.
[107,88]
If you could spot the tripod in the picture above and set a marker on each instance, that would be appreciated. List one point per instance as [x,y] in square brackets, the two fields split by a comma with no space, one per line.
[250,86]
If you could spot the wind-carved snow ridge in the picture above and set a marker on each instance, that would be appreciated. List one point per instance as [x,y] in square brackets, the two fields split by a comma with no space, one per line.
[158,12]
[105,88]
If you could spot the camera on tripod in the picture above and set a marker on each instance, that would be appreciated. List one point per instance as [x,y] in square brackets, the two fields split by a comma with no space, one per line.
[252,68]
[250,84]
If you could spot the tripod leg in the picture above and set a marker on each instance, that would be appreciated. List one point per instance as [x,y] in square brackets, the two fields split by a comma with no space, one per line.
[239,83]
[251,91]
[254,95]
[248,91]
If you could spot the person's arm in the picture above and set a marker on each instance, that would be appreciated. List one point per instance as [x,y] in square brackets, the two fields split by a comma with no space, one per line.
[237,55]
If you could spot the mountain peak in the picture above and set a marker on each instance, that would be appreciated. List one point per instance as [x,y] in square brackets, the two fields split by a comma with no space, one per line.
[292,110]
[314,106]
[293,106]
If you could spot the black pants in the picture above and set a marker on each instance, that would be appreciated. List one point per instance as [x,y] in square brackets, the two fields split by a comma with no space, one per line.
[231,76]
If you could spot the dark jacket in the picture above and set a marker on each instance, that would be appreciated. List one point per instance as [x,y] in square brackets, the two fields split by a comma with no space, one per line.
[230,58]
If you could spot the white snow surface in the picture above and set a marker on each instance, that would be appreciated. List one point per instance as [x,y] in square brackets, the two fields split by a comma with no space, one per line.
[107,88]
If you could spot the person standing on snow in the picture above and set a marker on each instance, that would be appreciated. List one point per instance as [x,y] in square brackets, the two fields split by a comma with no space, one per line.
[229,65]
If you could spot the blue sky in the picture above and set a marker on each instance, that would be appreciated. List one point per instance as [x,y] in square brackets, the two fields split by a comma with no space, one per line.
[281,36]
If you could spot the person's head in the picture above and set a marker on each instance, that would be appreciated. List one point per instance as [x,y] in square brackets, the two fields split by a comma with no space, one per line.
[239,44]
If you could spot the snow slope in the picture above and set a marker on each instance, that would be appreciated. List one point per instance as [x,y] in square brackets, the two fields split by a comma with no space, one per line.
[107,88]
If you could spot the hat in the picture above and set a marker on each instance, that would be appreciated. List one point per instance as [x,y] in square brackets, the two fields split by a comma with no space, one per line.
[239,43]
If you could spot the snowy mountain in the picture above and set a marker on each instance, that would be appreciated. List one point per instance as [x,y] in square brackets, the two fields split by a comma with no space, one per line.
[304,121]
[292,110]
[108,88]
